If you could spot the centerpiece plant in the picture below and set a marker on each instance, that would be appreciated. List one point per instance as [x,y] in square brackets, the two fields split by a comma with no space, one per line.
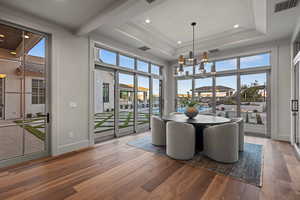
[191,110]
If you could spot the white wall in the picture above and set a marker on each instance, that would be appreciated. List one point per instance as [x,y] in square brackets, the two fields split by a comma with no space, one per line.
[280,83]
[69,82]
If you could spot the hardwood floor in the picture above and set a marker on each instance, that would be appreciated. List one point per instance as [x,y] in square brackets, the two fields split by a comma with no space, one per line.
[114,170]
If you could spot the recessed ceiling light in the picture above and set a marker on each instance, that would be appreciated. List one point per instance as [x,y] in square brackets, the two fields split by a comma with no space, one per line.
[13,53]
[179,42]
[26,36]
[2,36]
[236,26]
[148,21]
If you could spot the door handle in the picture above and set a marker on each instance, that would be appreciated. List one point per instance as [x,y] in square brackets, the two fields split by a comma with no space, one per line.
[48,118]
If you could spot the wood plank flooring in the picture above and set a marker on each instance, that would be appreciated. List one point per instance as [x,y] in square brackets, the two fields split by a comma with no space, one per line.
[114,170]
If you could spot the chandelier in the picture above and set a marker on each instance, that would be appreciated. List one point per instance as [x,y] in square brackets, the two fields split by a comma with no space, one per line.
[192,60]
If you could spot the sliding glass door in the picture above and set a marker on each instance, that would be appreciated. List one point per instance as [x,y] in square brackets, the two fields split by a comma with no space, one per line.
[23,95]
[104,108]
[126,103]
[156,97]
[143,103]
[254,102]
[226,96]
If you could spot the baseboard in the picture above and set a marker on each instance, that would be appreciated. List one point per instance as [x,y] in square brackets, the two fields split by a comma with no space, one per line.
[297,150]
[73,147]
[284,138]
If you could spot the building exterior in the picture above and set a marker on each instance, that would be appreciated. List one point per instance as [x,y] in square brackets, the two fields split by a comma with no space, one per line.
[207,91]
[14,79]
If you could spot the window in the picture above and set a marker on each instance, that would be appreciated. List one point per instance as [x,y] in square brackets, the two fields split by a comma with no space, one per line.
[226,96]
[142,66]
[207,67]
[187,71]
[107,57]
[203,94]
[105,92]
[184,91]
[259,60]
[38,91]
[224,65]
[155,69]
[127,62]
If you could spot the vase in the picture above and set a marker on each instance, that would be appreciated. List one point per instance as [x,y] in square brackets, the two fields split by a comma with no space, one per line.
[191,112]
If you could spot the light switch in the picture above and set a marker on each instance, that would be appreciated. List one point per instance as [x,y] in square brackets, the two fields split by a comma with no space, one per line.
[73,104]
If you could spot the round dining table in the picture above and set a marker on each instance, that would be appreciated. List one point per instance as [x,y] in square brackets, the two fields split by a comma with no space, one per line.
[199,122]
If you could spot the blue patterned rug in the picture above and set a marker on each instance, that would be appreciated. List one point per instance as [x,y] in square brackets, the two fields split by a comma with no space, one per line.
[248,169]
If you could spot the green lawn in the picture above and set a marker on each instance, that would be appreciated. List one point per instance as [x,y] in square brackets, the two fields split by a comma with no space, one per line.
[35,126]
[105,121]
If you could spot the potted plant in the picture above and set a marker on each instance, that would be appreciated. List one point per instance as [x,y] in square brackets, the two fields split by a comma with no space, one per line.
[190,108]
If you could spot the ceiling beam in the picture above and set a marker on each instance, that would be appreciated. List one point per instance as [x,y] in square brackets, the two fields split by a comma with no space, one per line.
[117,13]
[260,9]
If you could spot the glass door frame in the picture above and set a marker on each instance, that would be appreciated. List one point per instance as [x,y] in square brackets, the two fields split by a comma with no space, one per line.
[295,114]
[268,100]
[47,143]
[150,81]
[117,70]
[117,104]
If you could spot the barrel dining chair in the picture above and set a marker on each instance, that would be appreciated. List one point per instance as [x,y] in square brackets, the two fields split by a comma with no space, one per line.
[221,142]
[240,122]
[180,140]
[158,131]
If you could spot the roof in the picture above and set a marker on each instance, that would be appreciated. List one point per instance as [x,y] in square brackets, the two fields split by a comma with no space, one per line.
[31,69]
[130,86]
[219,88]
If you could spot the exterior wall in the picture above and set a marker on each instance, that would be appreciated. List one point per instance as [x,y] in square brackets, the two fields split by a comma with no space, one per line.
[100,78]
[29,107]
[13,98]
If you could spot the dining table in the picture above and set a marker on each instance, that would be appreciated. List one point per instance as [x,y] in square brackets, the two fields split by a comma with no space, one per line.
[200,122]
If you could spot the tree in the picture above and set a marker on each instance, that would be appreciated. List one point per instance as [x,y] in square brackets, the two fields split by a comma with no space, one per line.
[250,93]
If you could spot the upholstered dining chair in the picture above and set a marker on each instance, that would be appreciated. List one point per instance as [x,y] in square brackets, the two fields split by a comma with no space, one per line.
[180,140]
[158,131]
[221,142]
[240,122]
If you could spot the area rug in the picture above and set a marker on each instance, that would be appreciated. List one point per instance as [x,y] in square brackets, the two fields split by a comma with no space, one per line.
[248,169]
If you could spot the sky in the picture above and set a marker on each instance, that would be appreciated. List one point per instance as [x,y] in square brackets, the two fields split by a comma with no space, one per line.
[230,81]
[38,49]
[128,62]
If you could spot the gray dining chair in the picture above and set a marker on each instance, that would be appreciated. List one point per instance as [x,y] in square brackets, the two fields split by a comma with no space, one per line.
[158,131]
[240,122]
[180,140]
[221,142]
